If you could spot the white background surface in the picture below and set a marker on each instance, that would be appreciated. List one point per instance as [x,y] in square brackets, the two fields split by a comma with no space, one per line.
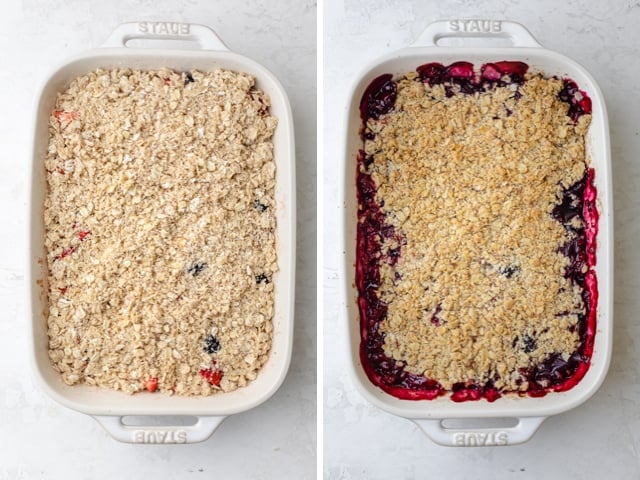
[40,439]
[599,439]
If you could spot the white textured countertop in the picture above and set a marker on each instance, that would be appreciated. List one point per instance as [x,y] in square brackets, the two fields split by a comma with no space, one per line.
[599,439]
[40,439]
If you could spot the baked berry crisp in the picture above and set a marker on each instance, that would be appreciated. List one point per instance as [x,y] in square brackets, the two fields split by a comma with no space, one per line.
[476,232]
[160,230]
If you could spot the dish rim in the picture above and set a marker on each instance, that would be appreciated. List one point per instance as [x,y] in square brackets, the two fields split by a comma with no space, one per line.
[598,146]
[100,401]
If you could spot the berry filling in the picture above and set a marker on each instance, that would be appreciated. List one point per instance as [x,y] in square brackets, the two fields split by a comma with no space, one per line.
[579,102]
[378,98]
[463,75]
[575,211]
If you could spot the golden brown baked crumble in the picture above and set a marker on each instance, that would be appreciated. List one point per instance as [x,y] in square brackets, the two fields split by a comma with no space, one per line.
[469,183]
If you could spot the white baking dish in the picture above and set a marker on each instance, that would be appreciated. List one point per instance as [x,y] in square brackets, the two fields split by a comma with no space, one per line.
[529,412]
[109,406]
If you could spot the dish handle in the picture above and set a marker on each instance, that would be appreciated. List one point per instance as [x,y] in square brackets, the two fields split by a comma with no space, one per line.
[480,437]
[199,432]
[476,28]
[200,34]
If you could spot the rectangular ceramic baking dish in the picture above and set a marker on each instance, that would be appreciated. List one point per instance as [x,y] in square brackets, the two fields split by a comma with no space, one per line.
[109,406]
[529,412]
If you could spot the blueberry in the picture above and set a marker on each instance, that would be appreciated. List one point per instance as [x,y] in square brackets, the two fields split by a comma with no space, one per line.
[572,202]
[509,271]
[261,207]
[529,344]
[262,278]
[196,269]
[211,344]
[188,78]
[564,95]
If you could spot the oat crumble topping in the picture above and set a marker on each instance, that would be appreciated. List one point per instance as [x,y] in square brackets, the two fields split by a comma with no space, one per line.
[473,278]
[160,230]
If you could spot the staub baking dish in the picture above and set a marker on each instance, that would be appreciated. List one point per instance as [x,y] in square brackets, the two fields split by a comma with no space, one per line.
[108,407]
[465,423]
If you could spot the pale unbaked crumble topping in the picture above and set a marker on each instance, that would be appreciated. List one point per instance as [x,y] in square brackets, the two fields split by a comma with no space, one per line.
[470,189]
[160,230]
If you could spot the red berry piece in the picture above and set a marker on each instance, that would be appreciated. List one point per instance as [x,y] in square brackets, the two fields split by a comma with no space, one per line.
[66,252]
[489,71]
[462,392]
[151,385]
[65,117]
[491,394]
[83,235]
[462,70]
[512,68]
[585,103]
[462,74]
[493,72]
[431,73]
[212,376]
